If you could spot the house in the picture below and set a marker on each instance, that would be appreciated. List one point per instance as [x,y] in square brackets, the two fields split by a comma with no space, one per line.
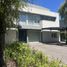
[35,24]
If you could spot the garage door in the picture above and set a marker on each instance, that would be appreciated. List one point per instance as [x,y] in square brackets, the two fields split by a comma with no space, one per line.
[33,36]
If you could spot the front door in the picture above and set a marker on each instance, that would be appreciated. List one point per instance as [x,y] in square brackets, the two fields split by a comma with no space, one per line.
[23,35]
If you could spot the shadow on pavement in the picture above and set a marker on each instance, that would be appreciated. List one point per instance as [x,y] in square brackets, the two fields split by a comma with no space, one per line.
[57,43]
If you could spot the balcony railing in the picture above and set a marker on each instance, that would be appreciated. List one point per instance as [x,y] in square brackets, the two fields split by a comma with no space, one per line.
[30,25]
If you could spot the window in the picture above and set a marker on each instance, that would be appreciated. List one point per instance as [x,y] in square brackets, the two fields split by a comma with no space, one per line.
[33,18]
[50,18]
[62,36]
[22,17]
[54,35]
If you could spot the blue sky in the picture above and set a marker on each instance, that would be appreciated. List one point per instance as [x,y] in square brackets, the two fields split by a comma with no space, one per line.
[53,5]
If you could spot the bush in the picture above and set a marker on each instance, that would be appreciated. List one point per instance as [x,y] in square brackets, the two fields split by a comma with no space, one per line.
[23,56]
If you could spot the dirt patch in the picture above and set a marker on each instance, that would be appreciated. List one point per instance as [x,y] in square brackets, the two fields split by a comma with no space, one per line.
[11,63]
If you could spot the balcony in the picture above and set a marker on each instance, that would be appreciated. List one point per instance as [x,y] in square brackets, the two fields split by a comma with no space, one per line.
[29,21]
[29,25]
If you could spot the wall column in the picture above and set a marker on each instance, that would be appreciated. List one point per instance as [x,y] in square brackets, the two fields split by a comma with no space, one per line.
[59,37]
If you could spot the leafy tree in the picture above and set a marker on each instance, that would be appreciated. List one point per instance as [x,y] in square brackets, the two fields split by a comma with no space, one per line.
[8,13]
[63,11]
[63,14]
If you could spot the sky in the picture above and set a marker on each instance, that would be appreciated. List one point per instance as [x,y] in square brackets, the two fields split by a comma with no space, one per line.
[53,5]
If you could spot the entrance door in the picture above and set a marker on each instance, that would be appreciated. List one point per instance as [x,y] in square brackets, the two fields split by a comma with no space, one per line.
[23,35]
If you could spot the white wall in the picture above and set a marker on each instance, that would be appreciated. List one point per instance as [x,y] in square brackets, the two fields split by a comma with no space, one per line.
[10,36]
[37,10]
[46,23]
[46,37]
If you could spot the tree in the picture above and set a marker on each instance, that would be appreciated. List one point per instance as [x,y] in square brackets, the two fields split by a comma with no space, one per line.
[8,13]
[63,11]
[63,14]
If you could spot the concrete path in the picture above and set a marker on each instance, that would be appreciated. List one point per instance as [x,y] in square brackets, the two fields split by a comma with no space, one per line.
[53,51]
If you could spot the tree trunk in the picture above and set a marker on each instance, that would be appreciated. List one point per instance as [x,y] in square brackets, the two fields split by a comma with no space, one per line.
[2,38]
[2,42]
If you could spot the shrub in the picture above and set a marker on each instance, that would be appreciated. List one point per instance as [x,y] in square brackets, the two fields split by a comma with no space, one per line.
[25,57]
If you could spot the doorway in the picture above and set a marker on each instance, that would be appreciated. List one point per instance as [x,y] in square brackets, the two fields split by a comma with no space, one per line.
[23,35]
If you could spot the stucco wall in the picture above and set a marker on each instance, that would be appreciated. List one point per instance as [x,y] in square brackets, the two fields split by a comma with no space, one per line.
[46,23]
[37,10]
[10,36]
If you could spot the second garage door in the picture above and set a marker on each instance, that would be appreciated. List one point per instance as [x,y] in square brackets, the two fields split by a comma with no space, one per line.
[33,36]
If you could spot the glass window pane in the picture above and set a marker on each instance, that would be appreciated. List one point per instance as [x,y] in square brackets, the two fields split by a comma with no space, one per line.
[33,18]
[54,35]
[22,17]
[48,18]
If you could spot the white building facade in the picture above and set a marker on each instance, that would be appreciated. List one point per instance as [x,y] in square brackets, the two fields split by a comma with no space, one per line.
[36,24]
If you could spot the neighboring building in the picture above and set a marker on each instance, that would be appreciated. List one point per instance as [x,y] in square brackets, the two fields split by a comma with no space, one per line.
[63,23]
[63,28]
[36,24]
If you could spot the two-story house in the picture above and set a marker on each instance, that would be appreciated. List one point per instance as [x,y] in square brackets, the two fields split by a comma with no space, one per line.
[35,24]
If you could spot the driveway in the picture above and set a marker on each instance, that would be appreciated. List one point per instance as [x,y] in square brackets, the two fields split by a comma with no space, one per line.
[51,50]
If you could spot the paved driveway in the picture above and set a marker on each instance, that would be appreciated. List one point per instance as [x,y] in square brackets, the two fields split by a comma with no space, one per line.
[53,51]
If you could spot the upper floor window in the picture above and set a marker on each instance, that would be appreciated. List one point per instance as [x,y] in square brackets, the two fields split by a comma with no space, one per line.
[33,18]
[49,18]
[22,17]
